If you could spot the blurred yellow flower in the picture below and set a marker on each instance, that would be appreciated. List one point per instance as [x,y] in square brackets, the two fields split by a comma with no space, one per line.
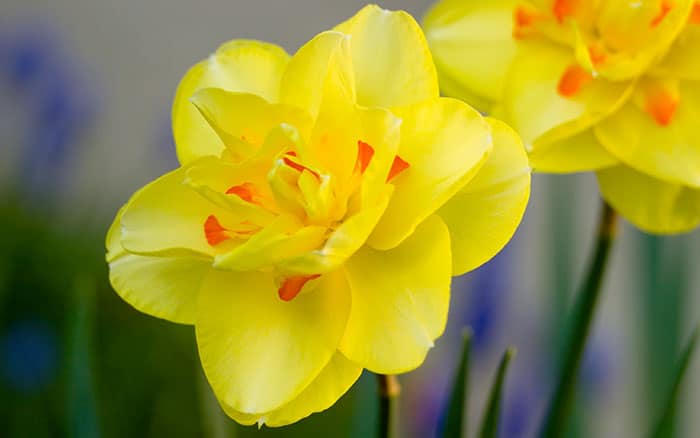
[322,205]
[611,86]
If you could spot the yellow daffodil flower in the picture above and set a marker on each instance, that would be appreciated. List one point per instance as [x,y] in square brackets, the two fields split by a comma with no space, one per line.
[323,203]
[611,86]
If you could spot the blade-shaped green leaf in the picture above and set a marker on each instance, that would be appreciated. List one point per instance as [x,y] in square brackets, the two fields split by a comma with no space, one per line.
[489,423]
[667,419]
[580,327]
[456,420]
[82,409]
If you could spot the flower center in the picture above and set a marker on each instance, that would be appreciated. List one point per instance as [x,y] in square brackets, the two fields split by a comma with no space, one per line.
[293,186]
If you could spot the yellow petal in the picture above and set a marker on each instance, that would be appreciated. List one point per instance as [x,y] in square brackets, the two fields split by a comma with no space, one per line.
[322,65]
[333,381]
[166,217]
[244,120]
[165,287]
[240,65]
[533,103]
[284,239]
[652,205]
[259,352]
[333,143]
[390,57]
[483,216]
[579,153]
[681,61]
[472,44]
[669,152]
[444,142]
[637,34]
[399,300]
[213,178]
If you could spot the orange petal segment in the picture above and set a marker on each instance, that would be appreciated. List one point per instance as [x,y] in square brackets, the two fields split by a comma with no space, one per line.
[214,232]
[291,286]
[573,80]
[290,160]
[695,13]
[365,152]
[398,166]
[662,106]
[597,53]
[245,191]
[666,6]
[524,19]
[563,9]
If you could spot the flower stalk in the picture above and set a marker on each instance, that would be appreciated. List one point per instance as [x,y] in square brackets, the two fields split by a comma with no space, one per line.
[562,401]
[389,390]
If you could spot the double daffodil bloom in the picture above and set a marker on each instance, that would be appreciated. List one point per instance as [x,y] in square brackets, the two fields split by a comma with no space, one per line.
[611,86]
[323,203]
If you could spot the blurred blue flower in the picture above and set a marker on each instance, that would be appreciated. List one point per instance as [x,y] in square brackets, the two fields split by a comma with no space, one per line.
[522,402]
[41,79]
[23,58]
[29,355]
[489,289]
[597,368]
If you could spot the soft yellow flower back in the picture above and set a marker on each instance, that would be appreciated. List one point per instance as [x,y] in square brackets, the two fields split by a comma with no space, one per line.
[606,86]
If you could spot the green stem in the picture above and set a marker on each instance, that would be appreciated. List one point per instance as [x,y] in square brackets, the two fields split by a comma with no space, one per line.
[556,420]
[389,390]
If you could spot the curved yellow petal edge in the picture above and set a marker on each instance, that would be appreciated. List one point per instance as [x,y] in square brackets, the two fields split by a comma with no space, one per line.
[460,33]
[487,211]
[323,203]
[651,204]
[240,65]
[332,382]
[406,63]
[590,86]
[399,301]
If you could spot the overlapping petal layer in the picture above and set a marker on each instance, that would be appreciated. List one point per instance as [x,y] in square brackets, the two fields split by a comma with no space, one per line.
[670,152]
[405,64]
[260,352]
[399,300]
[444,142]
[165,287]
[536,101]
[472,42]
[240,65]
[487,211]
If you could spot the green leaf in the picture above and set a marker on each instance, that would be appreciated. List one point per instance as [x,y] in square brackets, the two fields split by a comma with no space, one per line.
[82,409]
[667,419]
[581,321]
[456,420]
[489,424]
